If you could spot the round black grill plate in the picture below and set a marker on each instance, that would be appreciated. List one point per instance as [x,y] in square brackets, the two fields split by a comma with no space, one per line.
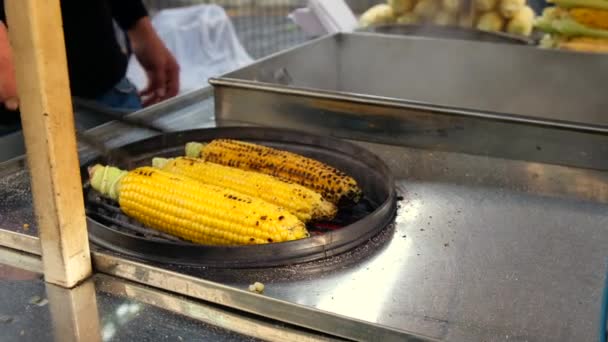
[371,173]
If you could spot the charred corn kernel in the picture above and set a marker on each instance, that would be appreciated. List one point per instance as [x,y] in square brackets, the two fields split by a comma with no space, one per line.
[591,17]
[508,8]
[522,23]
[485,5]
[426,9]
[490,21]
[195,212]
[333,184]
[304,203]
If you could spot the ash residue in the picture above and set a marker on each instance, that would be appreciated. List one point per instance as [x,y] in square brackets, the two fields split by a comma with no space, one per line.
[16,203]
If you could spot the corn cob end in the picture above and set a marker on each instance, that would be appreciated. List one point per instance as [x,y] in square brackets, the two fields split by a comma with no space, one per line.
[324,210]
[159,163]
[105,179]
[194,149]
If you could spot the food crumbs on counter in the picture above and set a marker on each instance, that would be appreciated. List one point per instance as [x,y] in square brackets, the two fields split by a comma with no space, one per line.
[37,300]
[26,226]
[256,287]
[446,244]
[6,319]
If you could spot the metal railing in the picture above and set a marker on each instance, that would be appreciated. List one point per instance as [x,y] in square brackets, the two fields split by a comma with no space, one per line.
[262,25]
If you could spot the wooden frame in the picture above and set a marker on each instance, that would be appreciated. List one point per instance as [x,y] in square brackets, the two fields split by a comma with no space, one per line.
[36,35]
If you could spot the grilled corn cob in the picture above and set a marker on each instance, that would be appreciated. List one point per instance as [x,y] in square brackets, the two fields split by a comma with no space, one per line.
[299,200]
[193,211]
[595,18]
[522,22]
[491,21]
[509,8]
[485,5]
[331,183]
[426,9]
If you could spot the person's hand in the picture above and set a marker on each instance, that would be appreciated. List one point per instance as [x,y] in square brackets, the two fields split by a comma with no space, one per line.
[8,82]
[158,62]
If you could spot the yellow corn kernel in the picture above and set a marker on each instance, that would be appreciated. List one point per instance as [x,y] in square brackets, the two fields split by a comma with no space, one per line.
[490,21]
[485,5]
[591,17]
[508,8]
[401,6]
[333,184]
[584,44]
[426,9]
[522,22]
[304,203]
[408,19]
[200,213]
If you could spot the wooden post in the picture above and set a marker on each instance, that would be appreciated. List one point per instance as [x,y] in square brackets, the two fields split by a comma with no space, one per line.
[36,34]
[74,312]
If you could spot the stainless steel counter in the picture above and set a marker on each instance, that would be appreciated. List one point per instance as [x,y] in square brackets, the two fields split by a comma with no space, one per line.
[109,309]
[482,248]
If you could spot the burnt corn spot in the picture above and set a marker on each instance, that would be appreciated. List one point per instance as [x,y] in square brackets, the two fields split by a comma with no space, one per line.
[263,218]
[251,239]
[257,223]
[281,218]
[269,240]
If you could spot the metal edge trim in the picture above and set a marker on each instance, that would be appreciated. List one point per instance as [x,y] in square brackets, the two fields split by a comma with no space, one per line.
[283,311]
[507,36]
[407,104]
[279,53]
[184,100]
[250,326]
[295,314]
[21,242]
[18,259]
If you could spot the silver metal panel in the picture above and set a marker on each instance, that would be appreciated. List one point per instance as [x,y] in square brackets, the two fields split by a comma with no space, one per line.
[412,126]
[110,309]
[513,102]
[479,76]
[342,325]
[483,248]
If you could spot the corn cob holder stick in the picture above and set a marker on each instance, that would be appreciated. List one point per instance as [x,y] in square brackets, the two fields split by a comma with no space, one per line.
[195,212]
[333,184]
[304,203]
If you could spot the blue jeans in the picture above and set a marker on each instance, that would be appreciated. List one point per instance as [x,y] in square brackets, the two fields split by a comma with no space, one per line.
[122,97]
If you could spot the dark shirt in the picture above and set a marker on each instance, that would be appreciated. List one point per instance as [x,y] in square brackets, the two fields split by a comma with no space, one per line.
[95,60]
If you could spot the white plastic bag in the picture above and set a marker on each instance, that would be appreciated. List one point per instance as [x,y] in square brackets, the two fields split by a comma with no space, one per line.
[202,39]
[322,17]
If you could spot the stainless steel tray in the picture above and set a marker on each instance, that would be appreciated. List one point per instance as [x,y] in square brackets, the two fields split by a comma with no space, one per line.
[502,100]
[448,32]
[484,249]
